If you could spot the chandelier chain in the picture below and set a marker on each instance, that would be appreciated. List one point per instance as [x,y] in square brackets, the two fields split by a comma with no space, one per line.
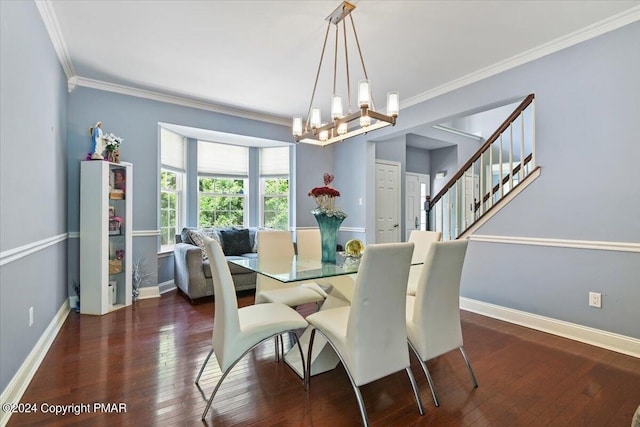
[335,61]
[346,61]
[364,69]
[315,85]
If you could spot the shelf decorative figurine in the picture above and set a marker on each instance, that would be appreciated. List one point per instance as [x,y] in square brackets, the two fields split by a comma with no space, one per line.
[97,142]
[328,217]
[104,145]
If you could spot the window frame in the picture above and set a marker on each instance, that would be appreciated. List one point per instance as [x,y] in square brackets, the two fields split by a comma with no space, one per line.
[179,191]
[263,196]
[244,195]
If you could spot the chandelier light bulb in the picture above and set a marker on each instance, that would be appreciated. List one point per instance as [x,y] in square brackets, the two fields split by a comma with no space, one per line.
[393,103]
[364,94]
[342,128]
[315,117]
[297,125]
[336,107]
[323,135]
[365,121]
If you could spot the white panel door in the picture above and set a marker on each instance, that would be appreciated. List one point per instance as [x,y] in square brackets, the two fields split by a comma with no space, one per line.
[387,202]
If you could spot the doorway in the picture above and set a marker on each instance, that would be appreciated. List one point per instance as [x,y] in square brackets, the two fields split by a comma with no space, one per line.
[417,187]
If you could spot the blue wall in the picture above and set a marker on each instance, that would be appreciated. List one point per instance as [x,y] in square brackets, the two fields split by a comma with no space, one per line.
[136,120]
[587,128]
[33,176]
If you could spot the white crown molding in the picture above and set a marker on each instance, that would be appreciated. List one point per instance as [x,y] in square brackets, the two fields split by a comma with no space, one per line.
[177,100]
[562,243]
[18,384]
[25,250]
[45,7]
[609,340]
[612,23]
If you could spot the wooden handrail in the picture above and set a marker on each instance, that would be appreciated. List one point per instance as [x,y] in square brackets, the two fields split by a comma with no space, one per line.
[516,113]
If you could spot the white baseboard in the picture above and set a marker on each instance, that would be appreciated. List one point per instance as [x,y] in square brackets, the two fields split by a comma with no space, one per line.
[18,384]
[167,286]
[149,292]
[610,341]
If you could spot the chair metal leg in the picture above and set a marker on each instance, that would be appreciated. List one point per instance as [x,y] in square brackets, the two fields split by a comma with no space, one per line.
[225,373]
[215,390]
[203,365]
[466,360]
[415,391]
[427,374]
[356,389]
[307,375]
[304,372]
[276,340]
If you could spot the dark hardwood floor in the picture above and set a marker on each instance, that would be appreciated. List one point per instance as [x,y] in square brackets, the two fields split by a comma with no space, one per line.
[148,355]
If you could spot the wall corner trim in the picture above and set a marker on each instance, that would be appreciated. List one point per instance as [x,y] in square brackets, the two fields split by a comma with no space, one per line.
[18,384]
[596,337]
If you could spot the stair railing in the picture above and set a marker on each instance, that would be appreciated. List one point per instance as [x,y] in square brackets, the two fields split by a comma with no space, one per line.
[502,162]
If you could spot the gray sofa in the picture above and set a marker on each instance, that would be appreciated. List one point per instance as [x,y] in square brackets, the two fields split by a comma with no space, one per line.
[193,273]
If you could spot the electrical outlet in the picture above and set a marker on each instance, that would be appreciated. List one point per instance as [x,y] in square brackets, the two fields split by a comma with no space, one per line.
[30,316]
[595,299]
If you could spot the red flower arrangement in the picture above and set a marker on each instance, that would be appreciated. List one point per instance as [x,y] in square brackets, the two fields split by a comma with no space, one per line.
[325,197]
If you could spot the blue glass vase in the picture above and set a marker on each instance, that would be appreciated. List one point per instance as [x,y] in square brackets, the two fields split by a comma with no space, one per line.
[329,225]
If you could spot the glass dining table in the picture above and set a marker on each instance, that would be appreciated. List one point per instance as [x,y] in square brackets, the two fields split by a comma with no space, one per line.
[298,269]
[338,279]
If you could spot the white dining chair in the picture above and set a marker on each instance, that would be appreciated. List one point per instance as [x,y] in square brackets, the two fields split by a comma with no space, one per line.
[422,240]
[369,336]
[309,243]
[277,245]
[237,331]
[433,314]
[309,246]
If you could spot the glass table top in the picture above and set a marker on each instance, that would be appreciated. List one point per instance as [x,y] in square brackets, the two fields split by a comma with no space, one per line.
[295,268]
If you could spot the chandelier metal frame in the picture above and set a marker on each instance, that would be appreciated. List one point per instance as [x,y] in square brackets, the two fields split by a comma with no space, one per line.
[344,126]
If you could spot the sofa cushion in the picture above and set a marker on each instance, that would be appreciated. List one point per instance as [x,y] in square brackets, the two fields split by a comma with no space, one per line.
[234,269]
[235,242]
[197,237]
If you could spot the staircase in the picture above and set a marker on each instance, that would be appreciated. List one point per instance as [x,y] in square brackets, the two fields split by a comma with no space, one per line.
[499,170]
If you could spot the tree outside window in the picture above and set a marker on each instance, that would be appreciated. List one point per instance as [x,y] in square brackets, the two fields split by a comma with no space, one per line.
[221,202]
[275,203]
[170,206]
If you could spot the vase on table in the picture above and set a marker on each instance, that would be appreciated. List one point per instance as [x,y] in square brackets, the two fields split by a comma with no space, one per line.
[329,225]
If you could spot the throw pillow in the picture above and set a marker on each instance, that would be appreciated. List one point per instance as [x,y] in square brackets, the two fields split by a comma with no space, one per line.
[235,241]
[213,233]
[198,239]
[184,235]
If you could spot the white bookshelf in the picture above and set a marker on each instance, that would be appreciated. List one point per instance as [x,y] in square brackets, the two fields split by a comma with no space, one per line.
[98,244]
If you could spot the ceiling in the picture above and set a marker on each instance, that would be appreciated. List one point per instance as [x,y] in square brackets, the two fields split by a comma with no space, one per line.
[261,56]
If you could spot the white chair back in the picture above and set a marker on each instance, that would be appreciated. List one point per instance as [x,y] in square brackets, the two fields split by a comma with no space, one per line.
[436,317]
[226,322]
[376,331]
[309,243]
[274,243]
[422,241]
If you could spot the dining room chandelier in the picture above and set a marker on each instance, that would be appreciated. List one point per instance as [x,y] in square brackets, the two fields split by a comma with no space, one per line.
[344,125]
